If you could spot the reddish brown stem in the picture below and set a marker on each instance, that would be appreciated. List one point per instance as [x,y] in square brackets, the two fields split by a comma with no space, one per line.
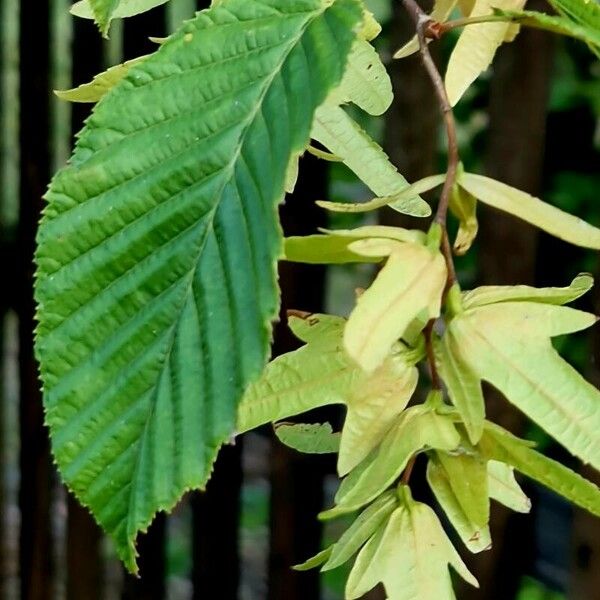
[422,23]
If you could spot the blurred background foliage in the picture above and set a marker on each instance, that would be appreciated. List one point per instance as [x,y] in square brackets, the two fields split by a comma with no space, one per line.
[532,121]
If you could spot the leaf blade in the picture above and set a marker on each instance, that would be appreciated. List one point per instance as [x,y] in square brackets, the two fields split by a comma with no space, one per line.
[119,311]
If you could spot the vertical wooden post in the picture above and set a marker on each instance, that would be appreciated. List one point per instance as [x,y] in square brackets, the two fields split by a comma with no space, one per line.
[216,519]
[36,473]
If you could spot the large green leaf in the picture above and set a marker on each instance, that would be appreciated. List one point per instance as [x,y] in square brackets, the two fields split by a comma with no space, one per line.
[585,13]
[156,280]
[498,444]
[508,344]
[520,204]
[409,286]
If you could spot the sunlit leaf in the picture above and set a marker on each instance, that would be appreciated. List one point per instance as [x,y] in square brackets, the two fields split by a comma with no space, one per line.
[464,388]
[340,134]
[508,345]
[414,554]
[364,526]
[464,207]
[314,561]
[503,487]
[417,429]
[393,201]
[317,374]
[492,294]
[100,84]
[310,438]
[364,575]
[533,210]
[498,444]
[366,82]
[468,478]
[373,406]
[476,47]
[410,285]
[475,537]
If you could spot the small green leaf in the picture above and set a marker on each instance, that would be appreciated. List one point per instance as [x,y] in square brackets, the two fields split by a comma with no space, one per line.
[504,488]
[103,12]
[324,249]
[366,82]
[418,428]
[364,575]
[464,388]
[310,438]
[464,207]
[100,84]
[476,47]
[508,345]
[475,537]
[498,444]
[316,329]
[468,478]
[393,201]
[520,204]
[410,285]
[314,561]
[365,525]
[341,135]
[492,294]
[373,406]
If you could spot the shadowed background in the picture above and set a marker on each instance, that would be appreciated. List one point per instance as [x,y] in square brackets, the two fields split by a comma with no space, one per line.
[532,122]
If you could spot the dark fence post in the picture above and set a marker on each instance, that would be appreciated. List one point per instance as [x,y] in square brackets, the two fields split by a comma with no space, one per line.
[215,529]
[36,473]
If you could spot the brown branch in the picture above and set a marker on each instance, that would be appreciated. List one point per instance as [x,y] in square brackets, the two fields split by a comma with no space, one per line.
[436,382]
[422,23]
